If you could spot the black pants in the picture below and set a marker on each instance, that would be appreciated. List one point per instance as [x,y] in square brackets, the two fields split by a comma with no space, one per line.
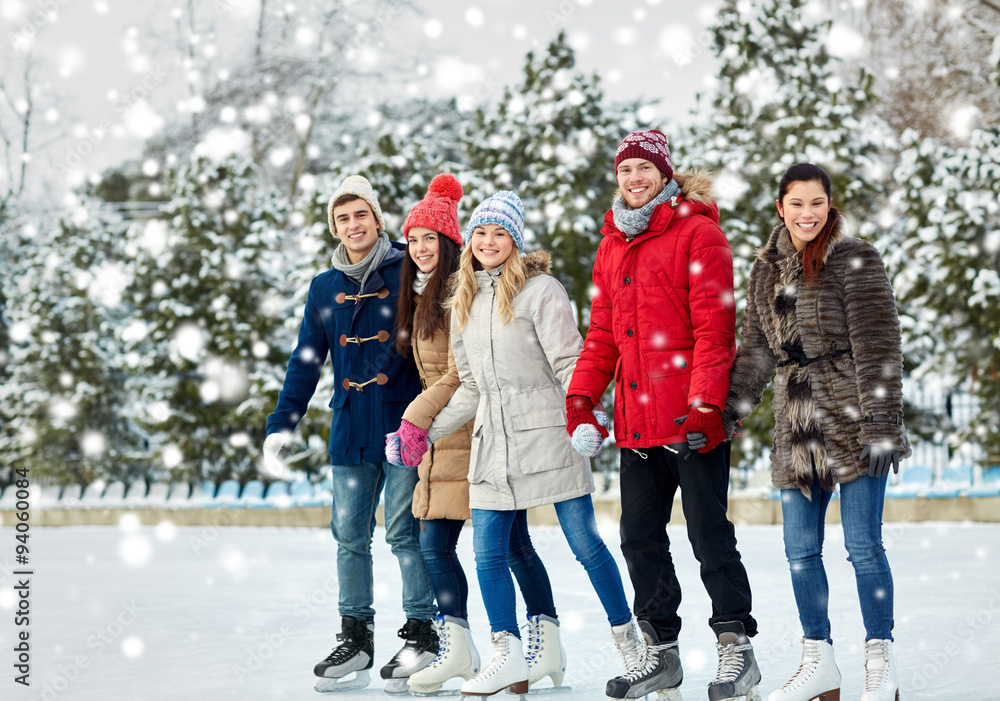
[647,488]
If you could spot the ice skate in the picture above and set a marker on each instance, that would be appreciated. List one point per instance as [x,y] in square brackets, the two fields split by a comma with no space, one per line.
[817,678]
[457,657]
[629,644]
[419,650]
[544,653]
[737,677]
[507,670]
[346,667]
[881,682]
[658,671]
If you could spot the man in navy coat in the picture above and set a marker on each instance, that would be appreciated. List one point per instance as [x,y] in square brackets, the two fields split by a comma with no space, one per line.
[350,314]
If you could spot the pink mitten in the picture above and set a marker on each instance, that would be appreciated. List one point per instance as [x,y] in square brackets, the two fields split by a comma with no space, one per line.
[413,443]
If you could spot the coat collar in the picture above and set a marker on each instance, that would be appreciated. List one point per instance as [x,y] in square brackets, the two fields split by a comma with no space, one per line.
[779,244]
[695,198]
[535,263]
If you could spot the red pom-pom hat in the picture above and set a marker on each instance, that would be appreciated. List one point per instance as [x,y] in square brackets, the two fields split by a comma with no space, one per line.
[438,211]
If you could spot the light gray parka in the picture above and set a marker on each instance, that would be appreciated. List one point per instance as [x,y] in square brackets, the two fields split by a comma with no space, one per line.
[513,379]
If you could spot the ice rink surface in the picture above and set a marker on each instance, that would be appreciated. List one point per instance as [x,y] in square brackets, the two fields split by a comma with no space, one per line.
[146,613]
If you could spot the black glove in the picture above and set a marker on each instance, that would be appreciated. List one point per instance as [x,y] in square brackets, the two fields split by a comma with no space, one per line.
[694,440]
[879,461]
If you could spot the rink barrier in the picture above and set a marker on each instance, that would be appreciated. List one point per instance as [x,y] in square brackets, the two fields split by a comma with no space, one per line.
[295,506]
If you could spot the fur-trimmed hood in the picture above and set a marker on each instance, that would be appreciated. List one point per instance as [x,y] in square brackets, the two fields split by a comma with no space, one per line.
[695,198]
[696,186]
[538,263]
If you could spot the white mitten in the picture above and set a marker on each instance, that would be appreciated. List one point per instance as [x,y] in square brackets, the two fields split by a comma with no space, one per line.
[273,464]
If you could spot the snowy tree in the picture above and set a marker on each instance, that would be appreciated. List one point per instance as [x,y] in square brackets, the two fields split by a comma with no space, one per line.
[208,299]
[947,253]
[63,407]
[551,139]
[778,101]
[278,94]
[931,59]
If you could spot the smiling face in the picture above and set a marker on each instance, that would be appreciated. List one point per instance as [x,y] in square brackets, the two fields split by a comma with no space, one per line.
[491,245]
[357,228]
[424,247]
[639,181]
[804,209]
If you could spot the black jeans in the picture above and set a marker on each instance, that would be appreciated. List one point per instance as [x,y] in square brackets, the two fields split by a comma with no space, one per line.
[647,489]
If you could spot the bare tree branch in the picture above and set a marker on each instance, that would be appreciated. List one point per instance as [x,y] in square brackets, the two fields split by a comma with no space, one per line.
[990,4]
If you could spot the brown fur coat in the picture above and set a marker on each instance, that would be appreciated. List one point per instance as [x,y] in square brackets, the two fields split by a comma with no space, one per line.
[822,411]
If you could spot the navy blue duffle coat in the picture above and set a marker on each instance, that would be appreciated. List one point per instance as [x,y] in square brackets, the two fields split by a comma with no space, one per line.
[373,382]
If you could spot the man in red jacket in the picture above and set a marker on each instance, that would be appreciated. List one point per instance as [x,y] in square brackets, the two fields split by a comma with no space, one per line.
[662,325]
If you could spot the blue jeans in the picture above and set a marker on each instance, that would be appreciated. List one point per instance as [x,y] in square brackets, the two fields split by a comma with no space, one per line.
[861,516]
[491,537]
[439,539]
[356,490]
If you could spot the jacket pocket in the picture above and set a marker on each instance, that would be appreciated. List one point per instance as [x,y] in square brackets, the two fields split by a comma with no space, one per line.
[541,441]
[394,403]
[476,469]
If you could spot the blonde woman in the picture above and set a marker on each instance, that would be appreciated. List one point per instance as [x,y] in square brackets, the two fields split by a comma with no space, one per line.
[515,344]
[441,497]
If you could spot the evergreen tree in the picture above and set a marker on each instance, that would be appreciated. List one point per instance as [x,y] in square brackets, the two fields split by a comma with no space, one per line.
[208,298]
[779,102]
[552,139]
[947,249]
[63,406]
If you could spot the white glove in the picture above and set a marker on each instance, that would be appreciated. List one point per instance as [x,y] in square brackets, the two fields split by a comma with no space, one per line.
[274,466]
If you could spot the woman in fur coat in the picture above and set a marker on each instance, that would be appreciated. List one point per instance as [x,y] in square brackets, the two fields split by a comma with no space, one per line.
[515,343]
[441,497]
[821,311]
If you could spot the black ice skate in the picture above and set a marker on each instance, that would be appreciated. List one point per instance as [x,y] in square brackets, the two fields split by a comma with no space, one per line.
[659,671]
[737,677]
[419,650]
[352,657]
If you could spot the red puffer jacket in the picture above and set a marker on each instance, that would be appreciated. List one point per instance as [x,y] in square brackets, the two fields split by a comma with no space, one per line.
[663,320]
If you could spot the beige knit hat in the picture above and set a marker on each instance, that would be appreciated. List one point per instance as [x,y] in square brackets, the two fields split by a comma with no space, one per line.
[356,185]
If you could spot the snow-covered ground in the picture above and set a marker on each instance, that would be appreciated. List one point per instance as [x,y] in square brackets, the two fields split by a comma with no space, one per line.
[141,613]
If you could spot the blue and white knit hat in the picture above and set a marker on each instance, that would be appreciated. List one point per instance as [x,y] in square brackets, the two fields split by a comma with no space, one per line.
[504,209]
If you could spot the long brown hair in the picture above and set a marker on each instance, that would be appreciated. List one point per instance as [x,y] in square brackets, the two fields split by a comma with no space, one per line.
[426,315]
[814,253]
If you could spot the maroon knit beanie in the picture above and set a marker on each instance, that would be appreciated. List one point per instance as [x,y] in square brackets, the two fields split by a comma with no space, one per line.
[650,145]
[438,211]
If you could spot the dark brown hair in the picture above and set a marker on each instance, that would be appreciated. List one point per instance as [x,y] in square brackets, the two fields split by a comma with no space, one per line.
[344,199]
[426,315]
[815,251]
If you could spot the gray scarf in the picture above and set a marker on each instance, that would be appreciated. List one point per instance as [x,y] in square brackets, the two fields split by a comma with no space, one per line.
[359,272]
[633,222]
